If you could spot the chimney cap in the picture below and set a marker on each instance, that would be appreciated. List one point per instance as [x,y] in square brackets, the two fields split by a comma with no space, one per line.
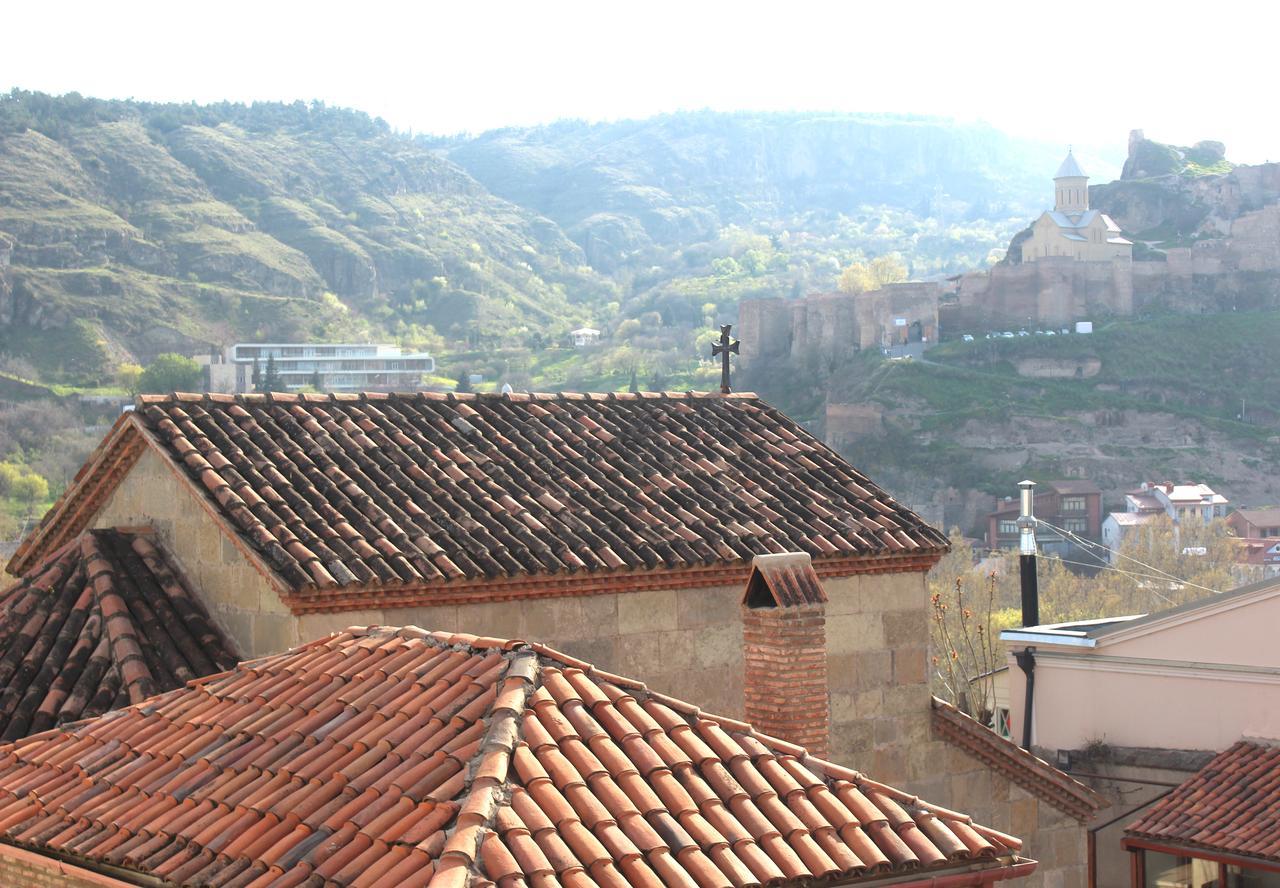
[783,579]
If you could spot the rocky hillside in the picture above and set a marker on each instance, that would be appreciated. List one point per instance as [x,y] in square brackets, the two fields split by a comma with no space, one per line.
[1165,398]
[625,190]
[128,229]
[136,229]
[1171,196]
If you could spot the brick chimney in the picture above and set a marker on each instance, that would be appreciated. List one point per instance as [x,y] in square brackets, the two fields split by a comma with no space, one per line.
[785,649]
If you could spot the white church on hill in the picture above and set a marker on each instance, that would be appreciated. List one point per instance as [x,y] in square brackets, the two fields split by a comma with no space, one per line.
[1071,228]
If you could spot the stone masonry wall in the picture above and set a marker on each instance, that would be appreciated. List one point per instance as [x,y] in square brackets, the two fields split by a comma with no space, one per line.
[683,642]
[963,783]
[237,596]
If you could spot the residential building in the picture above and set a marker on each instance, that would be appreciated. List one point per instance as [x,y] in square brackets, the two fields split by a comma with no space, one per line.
[1074,506]
[338,367]
[622,527]
[1071,229]
[1217,828]
[1142,702]
[1154,500]
[1184,502]
[584,336]
[1258,524]
[402,758]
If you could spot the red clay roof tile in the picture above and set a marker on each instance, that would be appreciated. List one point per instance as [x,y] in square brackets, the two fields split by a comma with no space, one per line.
[107,620]
[1230,806]
[270,794]
[382,496]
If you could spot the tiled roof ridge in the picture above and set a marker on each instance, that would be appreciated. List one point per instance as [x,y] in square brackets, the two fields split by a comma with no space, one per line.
[288,771]
[350,397]
[1029,771]
[691,712]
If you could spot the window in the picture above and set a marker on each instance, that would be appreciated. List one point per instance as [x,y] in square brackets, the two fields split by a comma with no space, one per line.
[1075,525]
[1008,527]
[1167,871]
[1073,504]
[1002,722]
[1238,877]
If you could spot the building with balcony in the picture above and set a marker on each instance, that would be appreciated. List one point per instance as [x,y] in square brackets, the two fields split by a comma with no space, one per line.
[336,367]
[1073,506]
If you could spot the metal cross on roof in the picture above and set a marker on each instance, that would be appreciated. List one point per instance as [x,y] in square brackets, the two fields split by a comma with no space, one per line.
[724,348]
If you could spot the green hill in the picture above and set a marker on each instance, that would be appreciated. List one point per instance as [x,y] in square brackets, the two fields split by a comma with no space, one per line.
[175,227]
[1172,397]
[135,228]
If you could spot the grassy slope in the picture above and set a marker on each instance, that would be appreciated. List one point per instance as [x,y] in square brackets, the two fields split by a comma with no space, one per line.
[1166,398]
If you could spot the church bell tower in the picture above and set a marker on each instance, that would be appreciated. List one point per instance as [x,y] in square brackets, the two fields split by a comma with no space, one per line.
[1071,187]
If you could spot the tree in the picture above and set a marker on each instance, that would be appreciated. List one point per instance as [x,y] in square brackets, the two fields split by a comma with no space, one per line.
[964,640]
[270,379]
[9,475]
[31,489]
[170,373]
[316,382]
[863,277]
[130,377]
[1159,565]
[634,386]
[464,381]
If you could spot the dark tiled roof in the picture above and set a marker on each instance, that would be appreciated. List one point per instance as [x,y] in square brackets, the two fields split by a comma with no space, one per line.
[1033,774]
[105,622]
[382,757]
[1231,806]
[393,492]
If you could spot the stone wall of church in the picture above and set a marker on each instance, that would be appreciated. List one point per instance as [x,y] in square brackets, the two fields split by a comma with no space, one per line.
[957,780]
[237,596]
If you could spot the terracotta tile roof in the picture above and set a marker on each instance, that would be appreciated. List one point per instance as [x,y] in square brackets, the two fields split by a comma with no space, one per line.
[1230,806]
[381,757]
[1033,774]
[338,495]
[105,622]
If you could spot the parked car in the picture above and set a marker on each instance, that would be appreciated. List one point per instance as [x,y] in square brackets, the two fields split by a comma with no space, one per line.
[1006,335]
[1049,333]
[968,337]
[1023,333]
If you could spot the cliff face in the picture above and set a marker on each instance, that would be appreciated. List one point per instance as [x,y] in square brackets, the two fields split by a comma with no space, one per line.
[1170,197]
[224,226]
[621,189]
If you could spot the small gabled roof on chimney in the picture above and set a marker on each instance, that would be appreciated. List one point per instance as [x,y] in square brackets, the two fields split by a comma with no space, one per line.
[786,579]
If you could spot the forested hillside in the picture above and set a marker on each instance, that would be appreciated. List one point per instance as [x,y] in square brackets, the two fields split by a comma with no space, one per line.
[133,229]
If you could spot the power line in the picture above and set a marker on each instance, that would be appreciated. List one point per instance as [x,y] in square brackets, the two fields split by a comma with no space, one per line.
[1143,564]
[1127,573]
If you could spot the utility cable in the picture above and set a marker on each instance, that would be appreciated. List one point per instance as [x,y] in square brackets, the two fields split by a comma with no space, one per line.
[1143,564]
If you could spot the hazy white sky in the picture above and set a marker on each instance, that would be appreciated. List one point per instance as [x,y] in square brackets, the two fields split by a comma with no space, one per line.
[1063,71]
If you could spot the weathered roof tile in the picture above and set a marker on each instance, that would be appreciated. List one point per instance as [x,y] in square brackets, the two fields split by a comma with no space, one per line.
[106,621]
[413,492]
[401,757]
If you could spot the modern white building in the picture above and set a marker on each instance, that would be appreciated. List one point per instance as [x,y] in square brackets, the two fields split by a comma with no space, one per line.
[338,367]
[585,336]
